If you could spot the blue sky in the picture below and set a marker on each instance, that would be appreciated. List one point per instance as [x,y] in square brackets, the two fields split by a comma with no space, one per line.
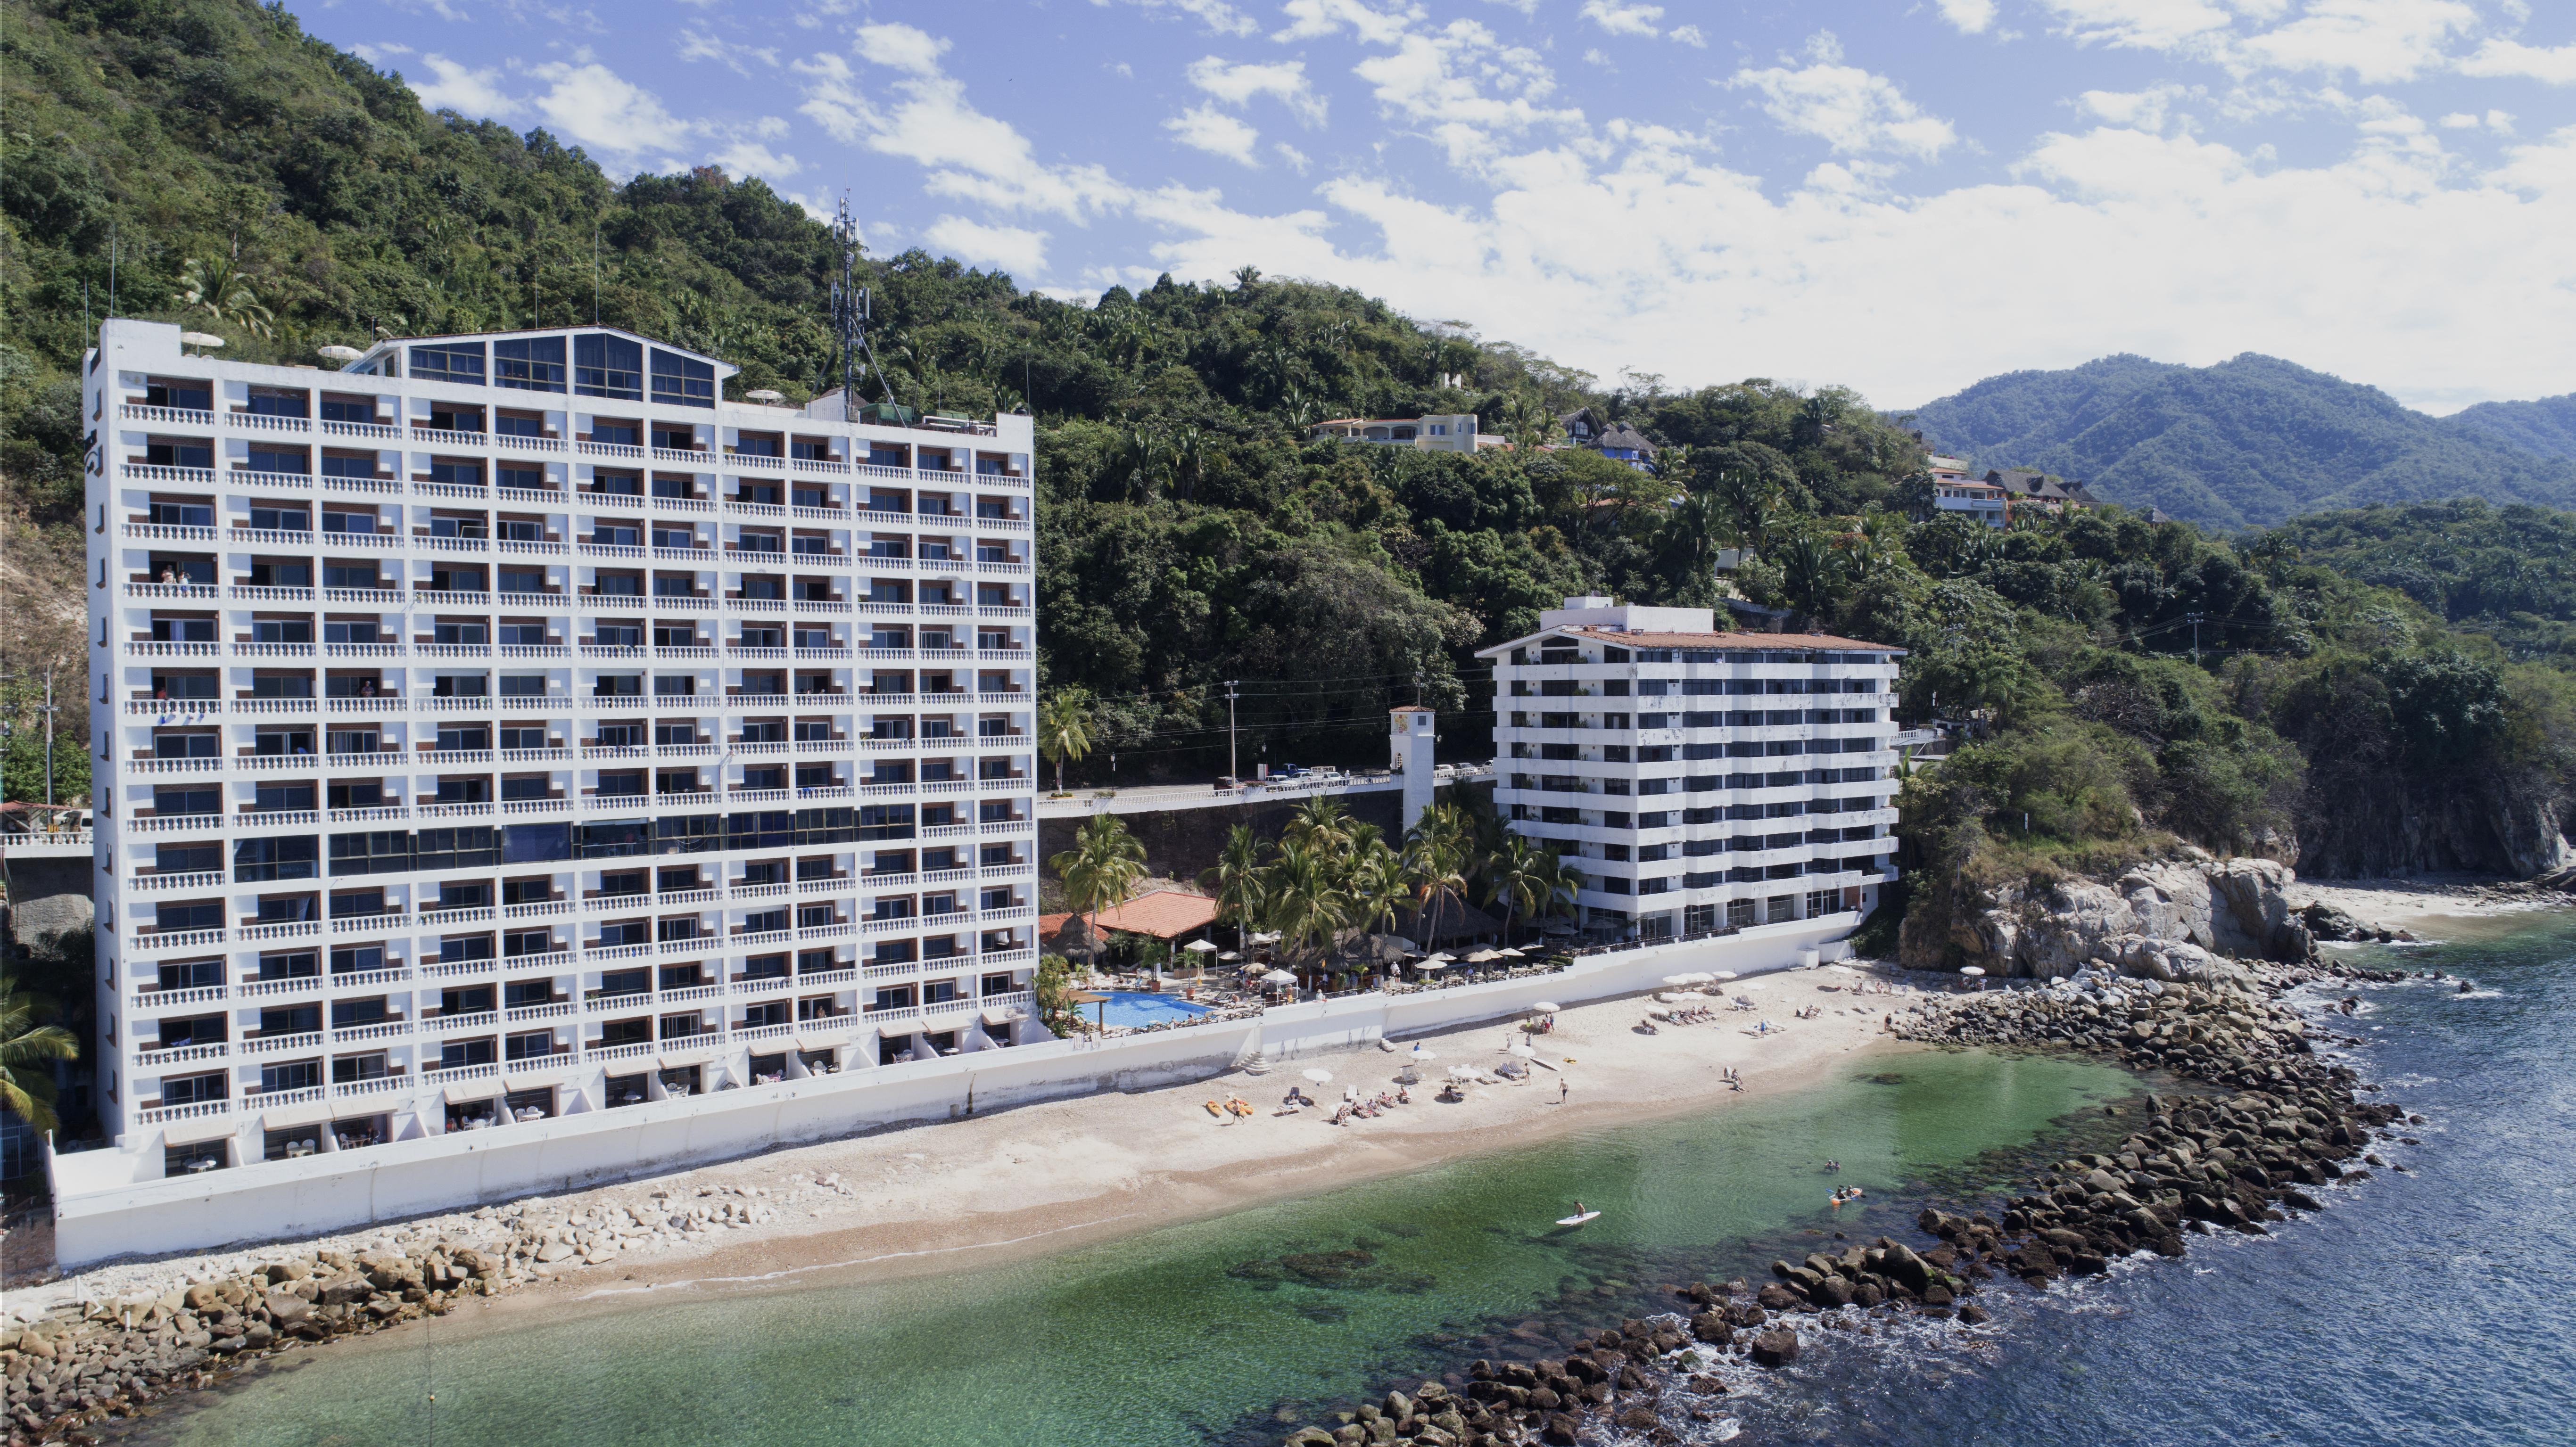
[1901,197]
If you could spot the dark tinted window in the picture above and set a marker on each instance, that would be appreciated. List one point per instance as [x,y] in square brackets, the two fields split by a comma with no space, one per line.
[531,364]
[448,362]
[682,381]
[606,366]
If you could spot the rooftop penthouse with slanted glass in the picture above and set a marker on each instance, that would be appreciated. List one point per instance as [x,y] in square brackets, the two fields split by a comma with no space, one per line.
[511,727]
[1700,781]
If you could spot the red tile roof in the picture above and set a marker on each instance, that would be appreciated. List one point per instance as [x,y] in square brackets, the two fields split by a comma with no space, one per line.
[1163,914]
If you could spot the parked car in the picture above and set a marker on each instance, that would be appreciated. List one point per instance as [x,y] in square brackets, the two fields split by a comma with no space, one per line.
[1225,783]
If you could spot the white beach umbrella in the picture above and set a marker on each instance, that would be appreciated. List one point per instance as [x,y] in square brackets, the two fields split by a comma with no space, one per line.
[1421,1054]
[1320,1076]
[1522,1049]
[1201,947]
[1436,962]
[200,339]
[1462,1073]
[1509,954]
[1723,975]
[1547,1007]
[1229,957]
[1279,977]
[1972,971]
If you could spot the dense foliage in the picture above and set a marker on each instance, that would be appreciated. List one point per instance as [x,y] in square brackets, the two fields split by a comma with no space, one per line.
[2254,440]
[2122,682]
[2506,572]
[2546,426]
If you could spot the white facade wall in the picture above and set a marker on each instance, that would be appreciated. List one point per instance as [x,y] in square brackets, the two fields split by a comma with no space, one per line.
[100,1213]
[1698,785]
[376,755]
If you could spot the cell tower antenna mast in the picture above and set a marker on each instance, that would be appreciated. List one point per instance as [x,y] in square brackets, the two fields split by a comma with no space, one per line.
[851,314]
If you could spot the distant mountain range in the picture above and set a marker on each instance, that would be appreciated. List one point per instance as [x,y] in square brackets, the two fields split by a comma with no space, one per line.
[2253,441]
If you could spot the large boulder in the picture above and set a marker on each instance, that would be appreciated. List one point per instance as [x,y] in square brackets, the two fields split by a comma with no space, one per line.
[1775,1348]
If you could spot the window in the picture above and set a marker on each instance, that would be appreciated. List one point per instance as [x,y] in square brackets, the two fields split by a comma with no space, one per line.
[267,859]
[376,852]
[280,459]
[682,381]
[448,362]
[530,364]
[608,366]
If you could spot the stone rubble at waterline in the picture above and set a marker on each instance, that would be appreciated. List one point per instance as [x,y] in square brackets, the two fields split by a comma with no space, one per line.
[2259,1124]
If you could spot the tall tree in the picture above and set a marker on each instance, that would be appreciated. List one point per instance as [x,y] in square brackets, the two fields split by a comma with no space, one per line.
[1064,729]
[1101,869]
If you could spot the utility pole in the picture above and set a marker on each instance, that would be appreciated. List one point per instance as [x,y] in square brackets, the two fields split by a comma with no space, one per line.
[49,736]
[1233,764]
[2195,638]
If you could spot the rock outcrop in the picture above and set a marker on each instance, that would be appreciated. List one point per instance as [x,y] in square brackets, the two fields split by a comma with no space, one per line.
[2186,919]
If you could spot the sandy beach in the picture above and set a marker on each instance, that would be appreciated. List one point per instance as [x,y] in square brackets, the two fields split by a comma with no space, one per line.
[1049,1177]
[2423,907]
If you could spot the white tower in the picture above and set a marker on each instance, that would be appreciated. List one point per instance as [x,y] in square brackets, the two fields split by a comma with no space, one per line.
[1409,738]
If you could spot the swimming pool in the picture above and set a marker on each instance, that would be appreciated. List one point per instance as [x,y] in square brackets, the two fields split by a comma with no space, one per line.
[1136,1007]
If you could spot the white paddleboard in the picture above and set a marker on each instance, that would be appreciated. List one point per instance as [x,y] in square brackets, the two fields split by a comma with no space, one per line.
[1576,1220]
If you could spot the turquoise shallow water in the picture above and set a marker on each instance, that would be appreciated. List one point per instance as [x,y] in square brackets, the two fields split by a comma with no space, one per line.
[1206,1331]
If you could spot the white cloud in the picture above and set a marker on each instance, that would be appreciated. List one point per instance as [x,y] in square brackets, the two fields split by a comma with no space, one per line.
[2513,59]
[597,108]
[902,47]
[1623,17]
[1239,84]
[1848,108]
[1468,90]
[1296,159]
[1972,17]
[2144,110]
[1314,19]
[1205,128]
[1008,248]
[2141,24]
[1217,16]
[1662,260]
[2377,40]
[697,45]
[967,154]
[1690,35]
[460,88]
[751,158]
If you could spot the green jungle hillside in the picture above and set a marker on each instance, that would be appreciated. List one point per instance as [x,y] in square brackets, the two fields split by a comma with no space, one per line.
[2252,441]
[250,180]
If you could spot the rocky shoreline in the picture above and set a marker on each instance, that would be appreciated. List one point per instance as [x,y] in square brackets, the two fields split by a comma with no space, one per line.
[2202,1161]
[77,1369]
[2254,1124]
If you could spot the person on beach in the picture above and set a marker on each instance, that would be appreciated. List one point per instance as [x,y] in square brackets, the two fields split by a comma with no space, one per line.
[1564,1088]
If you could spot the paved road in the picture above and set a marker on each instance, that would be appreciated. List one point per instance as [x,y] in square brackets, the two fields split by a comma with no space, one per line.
[1160,797]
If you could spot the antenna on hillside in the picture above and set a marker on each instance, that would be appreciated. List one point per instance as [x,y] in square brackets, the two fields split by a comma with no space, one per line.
[850,314]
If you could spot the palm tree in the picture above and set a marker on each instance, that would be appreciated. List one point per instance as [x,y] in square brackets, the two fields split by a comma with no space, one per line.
[1235,879]
[1101,869]
[1377,887]
[26,1048]
[1064,729]
[1436,852]
[1520,875]
[1321,821]
[215,285]
[1304,895]
[1751,501]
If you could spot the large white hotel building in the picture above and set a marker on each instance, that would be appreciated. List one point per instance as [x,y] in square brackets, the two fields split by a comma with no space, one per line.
[1700,781]
[509,726]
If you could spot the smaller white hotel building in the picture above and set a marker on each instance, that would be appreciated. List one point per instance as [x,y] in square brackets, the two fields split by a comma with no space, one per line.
[1701,781]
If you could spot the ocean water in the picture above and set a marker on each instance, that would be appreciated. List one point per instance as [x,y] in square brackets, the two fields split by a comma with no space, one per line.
[2425,1307]
[1206,1331]
[2428,1308]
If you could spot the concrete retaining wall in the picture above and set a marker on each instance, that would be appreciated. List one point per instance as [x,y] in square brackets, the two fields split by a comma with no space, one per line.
[100,1212]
